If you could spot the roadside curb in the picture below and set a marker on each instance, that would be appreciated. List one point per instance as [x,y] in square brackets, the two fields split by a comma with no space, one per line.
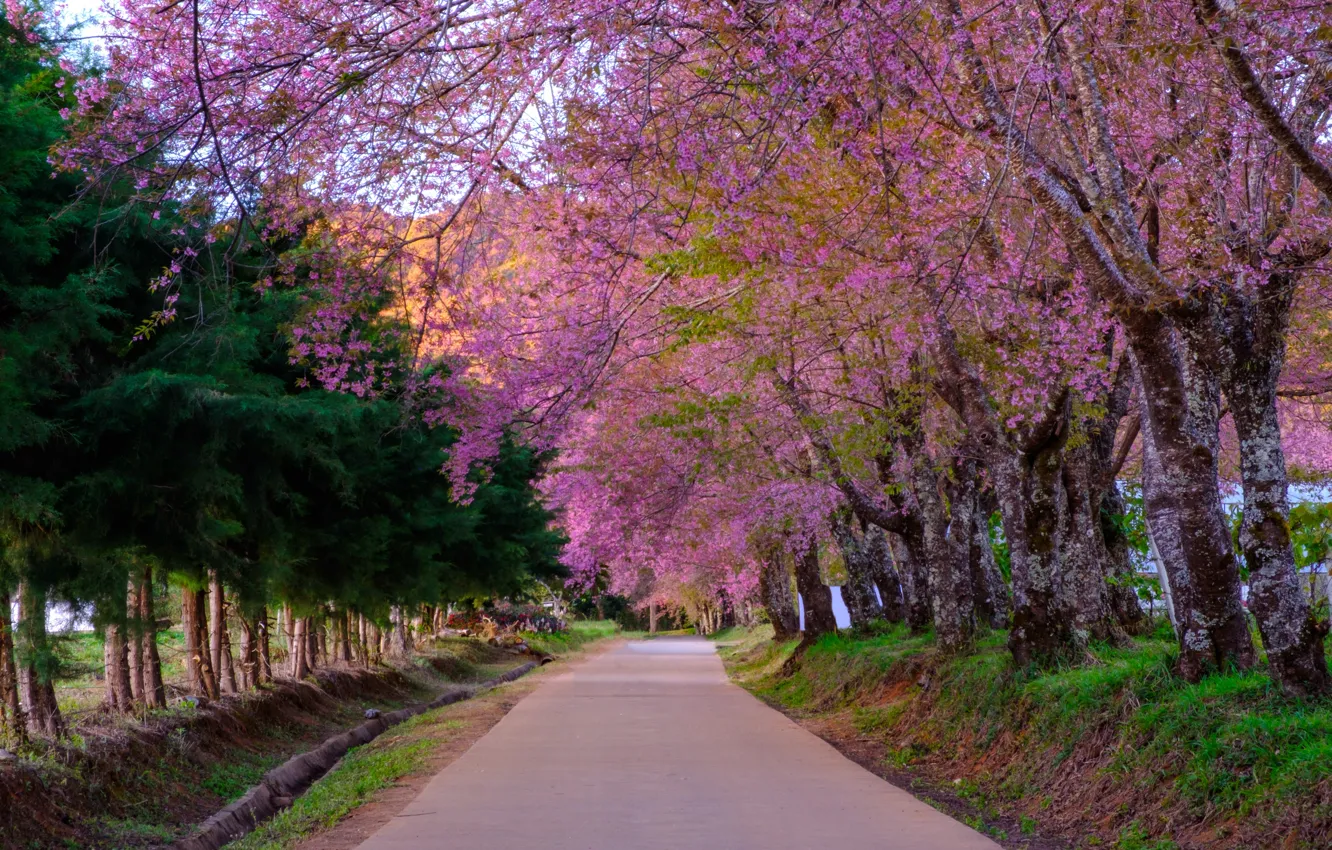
[281,785]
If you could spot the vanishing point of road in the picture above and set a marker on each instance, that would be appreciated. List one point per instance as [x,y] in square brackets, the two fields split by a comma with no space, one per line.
[650,747]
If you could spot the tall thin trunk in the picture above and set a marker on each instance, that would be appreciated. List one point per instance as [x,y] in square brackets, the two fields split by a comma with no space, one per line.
[220,641]
[300,665]
[189,624]
[116,656]
[265,651]
[815,596]
[321,638]
[372,651]
[247,665]
[217,622]
[12,724]
[134,639]
[312,625]
[154,690]
[36,666]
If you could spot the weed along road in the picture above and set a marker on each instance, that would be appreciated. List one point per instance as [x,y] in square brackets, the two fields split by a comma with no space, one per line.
[650,747]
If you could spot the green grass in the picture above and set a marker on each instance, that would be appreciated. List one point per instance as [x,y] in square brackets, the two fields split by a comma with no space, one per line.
[362,772]
[232,778]
[579,634]
[1228,749]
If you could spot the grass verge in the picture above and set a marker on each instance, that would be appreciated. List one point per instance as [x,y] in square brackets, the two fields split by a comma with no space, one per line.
[1113,752]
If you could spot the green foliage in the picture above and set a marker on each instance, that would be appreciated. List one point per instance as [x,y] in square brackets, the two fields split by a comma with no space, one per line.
[199,444]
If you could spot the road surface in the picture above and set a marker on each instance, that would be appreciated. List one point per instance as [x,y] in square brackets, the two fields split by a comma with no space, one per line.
[649,747]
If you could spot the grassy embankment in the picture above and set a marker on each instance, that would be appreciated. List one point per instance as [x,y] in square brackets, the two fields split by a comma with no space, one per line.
[1115,752]
[122,782]
[412,749]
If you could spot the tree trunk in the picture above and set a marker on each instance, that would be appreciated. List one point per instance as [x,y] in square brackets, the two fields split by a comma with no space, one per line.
[247,666]
[889,584]
[312,642]
[986,579]
[189,623]
[1084,586]
[1027,488]
[949,541]
[858,591]
[1182,410]
[36,666]
[652,617]
[154,691]
[372,645]
[1292,635]
[134,639]
[1119,566]
[265,652]
[119,696]
[220,640]
[318,646]
[397,633]
[300,665]
[915,579]
[815,596]
[776,596]
[1252,332]
[12,724]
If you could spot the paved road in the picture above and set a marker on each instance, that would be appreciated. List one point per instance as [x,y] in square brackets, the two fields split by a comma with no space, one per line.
[649,747]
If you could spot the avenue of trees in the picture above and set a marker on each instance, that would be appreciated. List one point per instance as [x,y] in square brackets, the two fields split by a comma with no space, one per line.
[182,474]
[913,287]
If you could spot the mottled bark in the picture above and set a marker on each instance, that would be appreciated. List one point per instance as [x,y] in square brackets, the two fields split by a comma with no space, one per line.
[1182,401]
[1255,352]
[775,594]
[1104,460]
[1119,565]
[1025,467]
[858,591]
[1027,487]
[947,551]
[991,592]
[815,596]
[1084,587]
[915,578]
[880,558]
